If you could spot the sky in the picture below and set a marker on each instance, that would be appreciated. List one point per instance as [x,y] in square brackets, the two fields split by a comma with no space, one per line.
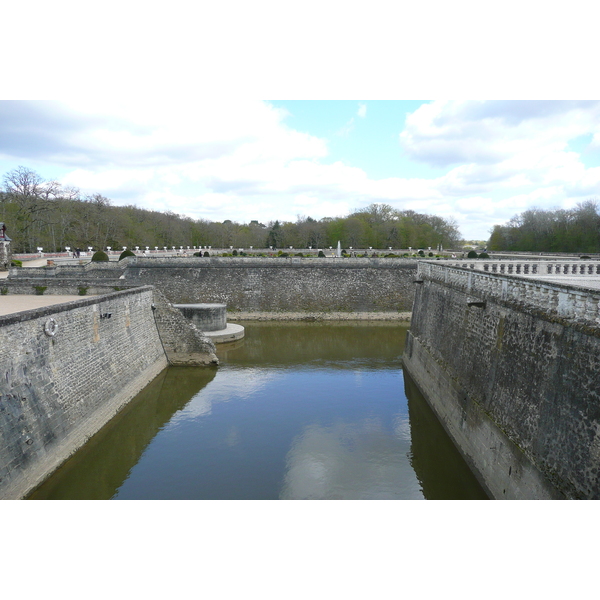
[478,162]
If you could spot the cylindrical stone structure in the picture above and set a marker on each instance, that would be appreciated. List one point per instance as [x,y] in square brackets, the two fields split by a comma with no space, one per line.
[206,317]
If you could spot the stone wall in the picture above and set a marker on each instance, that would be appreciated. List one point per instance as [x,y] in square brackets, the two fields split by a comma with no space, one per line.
[183,342]
[63,286]
[94,270]
[248,286]
[65,370]
[510,366]
[282,284]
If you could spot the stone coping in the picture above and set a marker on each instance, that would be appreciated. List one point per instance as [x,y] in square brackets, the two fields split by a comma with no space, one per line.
[200,305]
[34,313]
[272,262]
[315,316]
[14,303]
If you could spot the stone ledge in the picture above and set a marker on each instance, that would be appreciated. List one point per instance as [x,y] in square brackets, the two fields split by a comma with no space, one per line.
[318,316]
[231,333]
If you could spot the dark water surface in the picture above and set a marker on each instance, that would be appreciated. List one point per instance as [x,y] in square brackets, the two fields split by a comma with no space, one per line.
[294,411]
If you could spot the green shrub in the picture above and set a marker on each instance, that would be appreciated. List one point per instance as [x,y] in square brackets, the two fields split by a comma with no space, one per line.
[100,256]
[299,254]
[430,254]
[234,253]
[584,257]
[282,254]
[421,253]
[125,254]
[484,255]
[82,291]
[321,254]
[206,254]
[40,289]
[16,263]
[472,254]
[4,291]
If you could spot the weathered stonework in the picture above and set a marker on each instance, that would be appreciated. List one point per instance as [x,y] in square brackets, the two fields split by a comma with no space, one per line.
[182,341]
[255,285]
[66,370]
[207,317]
[511,367]
[252,286]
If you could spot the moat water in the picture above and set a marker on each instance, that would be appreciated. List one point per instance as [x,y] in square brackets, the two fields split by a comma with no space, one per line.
[294,411]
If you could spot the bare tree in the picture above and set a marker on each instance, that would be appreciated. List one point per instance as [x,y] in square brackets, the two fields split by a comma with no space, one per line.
[26,189]
[22,182]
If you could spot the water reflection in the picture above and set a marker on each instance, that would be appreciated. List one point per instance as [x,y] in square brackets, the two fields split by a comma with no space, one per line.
[349,460]
[101,466]
[294,411]
[438,465]
[331,345]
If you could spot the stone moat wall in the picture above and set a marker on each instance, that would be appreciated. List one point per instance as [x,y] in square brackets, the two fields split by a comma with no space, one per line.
[512,369]
[277,285]
[66,370]
[249,286]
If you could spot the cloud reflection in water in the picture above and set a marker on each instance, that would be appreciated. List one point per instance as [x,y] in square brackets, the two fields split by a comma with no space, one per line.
[360,460]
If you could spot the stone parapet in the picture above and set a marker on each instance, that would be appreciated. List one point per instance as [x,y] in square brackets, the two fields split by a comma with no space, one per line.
[557,267]
[572,302]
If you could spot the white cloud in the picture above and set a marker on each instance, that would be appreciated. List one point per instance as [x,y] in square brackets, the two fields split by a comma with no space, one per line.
[445,133]
[240,160]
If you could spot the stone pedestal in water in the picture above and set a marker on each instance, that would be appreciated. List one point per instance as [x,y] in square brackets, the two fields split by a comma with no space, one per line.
[211,319]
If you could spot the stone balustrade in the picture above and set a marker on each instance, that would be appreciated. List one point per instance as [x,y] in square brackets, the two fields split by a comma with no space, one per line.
[554,268]
[568,301]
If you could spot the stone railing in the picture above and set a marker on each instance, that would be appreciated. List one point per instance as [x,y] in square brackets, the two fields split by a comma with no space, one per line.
[567,301]
[569,268]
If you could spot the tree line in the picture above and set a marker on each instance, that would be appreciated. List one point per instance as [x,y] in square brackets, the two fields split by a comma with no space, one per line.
[575,230]
[46,214]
